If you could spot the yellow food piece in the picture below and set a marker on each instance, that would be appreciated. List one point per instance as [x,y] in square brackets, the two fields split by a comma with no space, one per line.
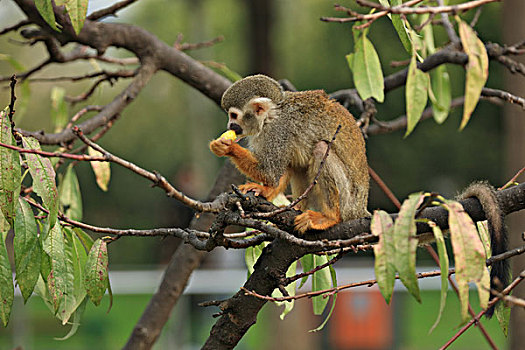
[228,135]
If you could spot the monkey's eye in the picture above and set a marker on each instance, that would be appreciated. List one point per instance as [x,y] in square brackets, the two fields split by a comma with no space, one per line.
[233,115]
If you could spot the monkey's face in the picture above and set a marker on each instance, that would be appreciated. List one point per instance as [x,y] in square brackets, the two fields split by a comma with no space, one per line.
[250,120]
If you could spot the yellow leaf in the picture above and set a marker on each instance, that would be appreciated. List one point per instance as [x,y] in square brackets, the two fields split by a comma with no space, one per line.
[101,169]
[477,69]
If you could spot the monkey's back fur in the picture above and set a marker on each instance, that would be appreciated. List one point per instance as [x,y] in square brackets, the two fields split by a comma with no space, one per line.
[304,120]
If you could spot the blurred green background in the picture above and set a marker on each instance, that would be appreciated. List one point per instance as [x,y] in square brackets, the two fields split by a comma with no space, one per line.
[168,127]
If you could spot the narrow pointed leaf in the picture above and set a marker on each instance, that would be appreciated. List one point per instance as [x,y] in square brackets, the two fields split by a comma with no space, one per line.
[96,271]
[443,266]
[405,243]
[307,262]
[77,316]
[102,170]
[401,25]
[86,239]
[385,270]
[76,292]
[440,83]
[477,69]
[334,298]
[45,8]
[43,176]
[290,289]
[416,94]
[320,280]
[59,114]
[9,169]
[70,195]
[366,69]
[27,249]
[502,313]
[7,290]
[58,280]
[77,10]
[469,254]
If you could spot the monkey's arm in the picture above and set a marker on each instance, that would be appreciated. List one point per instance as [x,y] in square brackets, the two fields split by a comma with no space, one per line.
[248,164]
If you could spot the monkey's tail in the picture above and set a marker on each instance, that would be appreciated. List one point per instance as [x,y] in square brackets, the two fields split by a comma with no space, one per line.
[500,270]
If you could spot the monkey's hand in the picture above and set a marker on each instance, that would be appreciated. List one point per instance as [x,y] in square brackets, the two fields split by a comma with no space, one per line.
[221,147]
[260,190]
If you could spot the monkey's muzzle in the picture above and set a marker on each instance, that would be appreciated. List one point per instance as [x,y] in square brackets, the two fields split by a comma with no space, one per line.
[235,127]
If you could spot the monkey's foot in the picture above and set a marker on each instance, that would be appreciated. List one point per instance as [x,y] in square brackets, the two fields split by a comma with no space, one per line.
[313,220]
[258,189]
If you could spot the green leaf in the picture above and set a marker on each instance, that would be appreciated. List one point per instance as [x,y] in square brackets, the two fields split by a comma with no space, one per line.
[307,263]
[86,239]
[405,243]
[43,176]
[27,249]
[59,114]
[76,260]
[70,195]
[400,24]
[384,251]
[334,298]
[45,8]
[58,280]
[7,290]
[251,255]
[77,316]
[320,280]
[502,313]
[416,94]
[469,255]
[290,289]
[441,95]
[9,169]
[366,69]
[443,266]
[224,70]
[477,69]
[77,10]
[96,271]
[102,170]
[42,291]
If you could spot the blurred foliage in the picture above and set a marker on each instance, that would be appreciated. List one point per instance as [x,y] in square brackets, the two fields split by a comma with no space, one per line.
[169,125]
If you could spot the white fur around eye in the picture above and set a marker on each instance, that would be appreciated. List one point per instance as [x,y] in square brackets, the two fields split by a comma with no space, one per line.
[234,113]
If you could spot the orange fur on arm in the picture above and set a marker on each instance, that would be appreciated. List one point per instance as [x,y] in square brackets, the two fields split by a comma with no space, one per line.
[245,161]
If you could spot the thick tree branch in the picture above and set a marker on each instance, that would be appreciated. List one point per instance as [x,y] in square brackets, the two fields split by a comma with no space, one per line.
[240,312]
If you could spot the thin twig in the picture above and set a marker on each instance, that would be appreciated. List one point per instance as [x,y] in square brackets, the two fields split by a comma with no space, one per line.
[513,180]
[17,26]
[156,178]
[110,11]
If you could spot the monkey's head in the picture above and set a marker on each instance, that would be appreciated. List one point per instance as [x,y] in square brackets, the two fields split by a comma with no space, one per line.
[250,103]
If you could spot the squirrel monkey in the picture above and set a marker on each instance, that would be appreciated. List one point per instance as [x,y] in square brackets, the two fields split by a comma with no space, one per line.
[288,135]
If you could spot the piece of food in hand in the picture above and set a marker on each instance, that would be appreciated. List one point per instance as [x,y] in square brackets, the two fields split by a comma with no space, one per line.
[228,135]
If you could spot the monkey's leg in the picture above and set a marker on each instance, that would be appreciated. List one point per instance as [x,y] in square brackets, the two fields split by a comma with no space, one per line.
[324,196]
[267,192]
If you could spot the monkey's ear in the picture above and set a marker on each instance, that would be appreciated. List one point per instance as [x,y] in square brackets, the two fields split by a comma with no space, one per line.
[261,105]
